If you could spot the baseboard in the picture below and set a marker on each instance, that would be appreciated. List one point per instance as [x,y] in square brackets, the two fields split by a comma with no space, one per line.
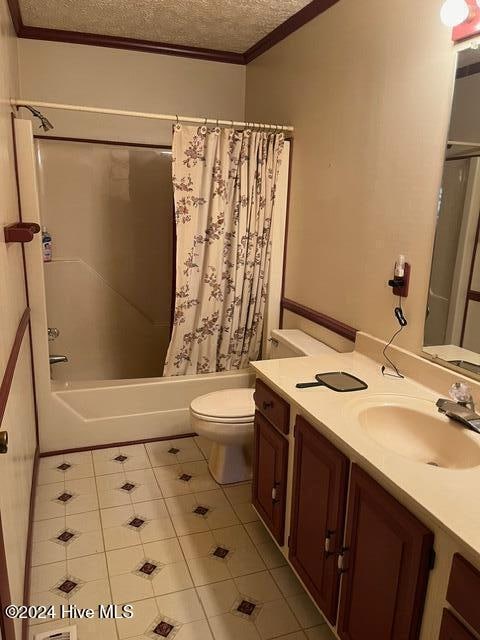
[28,558]
[48,454]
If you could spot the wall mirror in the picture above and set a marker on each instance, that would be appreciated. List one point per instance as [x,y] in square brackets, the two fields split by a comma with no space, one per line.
[452,326]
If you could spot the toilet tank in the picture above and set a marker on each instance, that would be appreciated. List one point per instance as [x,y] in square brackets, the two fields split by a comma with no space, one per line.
[292,343]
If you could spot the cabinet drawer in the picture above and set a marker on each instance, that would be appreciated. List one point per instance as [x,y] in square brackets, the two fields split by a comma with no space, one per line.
[272,406]
[453,629]
[464,590]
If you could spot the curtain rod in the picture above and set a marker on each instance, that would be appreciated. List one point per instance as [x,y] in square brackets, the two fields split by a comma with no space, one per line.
[151,116]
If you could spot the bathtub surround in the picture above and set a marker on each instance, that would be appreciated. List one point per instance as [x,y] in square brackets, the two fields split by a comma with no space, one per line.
[109,211]
[224,182]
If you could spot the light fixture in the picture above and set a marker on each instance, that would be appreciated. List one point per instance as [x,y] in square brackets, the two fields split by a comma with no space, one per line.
[454,12]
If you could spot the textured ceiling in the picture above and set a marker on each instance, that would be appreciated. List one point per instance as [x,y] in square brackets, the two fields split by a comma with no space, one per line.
[227,25]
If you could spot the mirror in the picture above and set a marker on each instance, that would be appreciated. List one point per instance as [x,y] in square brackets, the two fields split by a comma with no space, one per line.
[452,326]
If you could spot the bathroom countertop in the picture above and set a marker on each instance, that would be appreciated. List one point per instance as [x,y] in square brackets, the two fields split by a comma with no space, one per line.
[448,496]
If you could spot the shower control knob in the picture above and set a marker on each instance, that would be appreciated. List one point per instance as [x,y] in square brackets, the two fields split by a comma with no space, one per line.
[3,441]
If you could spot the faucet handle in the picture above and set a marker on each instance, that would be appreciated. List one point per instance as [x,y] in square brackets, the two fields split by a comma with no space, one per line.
[460,392]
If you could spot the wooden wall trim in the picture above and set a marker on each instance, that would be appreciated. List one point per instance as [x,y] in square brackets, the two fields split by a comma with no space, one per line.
[293,23]
[321,319]
[12,362]
[310,11]
[130,44]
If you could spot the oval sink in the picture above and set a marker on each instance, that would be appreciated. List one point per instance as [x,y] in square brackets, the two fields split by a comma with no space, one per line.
[414,429]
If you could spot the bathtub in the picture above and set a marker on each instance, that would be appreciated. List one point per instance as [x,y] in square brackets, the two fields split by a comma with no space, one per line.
[88,414]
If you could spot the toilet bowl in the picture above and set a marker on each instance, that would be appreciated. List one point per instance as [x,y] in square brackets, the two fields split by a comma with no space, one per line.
[225,418]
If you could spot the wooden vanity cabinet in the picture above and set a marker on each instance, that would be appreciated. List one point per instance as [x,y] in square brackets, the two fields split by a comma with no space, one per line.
[464,590]
[320,477]
[453,629]
[385,565]
[270,463]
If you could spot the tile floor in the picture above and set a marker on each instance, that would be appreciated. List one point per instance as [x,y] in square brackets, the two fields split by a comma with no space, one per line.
[148,526]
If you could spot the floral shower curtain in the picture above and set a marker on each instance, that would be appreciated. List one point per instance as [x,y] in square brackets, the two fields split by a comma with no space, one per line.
[224,186]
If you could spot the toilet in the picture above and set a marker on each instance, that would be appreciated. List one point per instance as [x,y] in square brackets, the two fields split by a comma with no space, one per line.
[226,418]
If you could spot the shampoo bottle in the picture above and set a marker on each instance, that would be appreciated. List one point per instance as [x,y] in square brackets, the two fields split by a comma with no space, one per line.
[46,245]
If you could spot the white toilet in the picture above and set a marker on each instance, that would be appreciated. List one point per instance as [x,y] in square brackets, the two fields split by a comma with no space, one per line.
[226,417]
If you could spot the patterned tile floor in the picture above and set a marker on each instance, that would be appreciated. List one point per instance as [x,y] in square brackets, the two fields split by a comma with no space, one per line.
[147,526]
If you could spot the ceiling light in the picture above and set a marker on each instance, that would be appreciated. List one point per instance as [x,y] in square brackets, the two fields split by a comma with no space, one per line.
[454,12]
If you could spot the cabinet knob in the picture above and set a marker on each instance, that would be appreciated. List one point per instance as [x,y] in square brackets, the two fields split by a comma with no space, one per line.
[267,405]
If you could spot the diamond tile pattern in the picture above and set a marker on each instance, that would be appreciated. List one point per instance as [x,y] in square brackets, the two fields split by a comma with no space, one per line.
[153,529]
[66,536]
[65,497]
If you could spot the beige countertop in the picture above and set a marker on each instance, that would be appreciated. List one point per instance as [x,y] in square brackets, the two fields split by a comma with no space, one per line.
[450,496]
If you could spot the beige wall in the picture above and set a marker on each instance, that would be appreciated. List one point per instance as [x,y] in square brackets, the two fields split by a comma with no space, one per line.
[368,89]
[16,465]
[97,76]
[109,211]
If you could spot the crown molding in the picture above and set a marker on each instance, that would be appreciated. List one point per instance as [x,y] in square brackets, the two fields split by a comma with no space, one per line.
[293,23]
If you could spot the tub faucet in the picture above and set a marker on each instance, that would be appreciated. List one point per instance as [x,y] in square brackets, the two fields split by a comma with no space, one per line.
[57,359]
[461,407]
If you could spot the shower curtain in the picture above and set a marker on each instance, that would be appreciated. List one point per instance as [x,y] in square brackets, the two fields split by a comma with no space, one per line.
[224,186]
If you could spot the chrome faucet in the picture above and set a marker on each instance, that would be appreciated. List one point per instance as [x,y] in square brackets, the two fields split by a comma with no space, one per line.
[461,407]
[57,359]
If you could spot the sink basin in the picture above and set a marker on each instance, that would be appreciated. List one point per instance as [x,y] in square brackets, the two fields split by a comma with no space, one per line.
[413,428]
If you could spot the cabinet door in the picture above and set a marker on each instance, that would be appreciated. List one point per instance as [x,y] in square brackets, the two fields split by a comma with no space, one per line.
[270,463]
[385,565]
[453,629]
[318,512]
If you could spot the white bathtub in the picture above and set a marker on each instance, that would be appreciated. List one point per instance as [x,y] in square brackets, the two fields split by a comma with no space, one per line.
[98,413]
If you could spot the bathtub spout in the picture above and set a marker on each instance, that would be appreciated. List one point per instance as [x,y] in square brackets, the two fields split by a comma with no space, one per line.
[57,359]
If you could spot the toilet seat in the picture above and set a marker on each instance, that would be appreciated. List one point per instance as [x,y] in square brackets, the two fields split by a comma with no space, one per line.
[230,406]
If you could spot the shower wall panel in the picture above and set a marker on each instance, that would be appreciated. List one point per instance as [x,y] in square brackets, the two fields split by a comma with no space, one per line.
[109,211]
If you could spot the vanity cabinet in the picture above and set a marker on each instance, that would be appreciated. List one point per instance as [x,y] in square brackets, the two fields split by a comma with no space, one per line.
[453,629]
[320,476]
[385,565]
[464,590]
[270,464]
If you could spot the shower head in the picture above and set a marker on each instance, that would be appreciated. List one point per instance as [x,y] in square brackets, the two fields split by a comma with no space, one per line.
[45,123]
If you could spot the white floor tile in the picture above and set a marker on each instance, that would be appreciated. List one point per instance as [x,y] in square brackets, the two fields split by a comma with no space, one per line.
[116,459]
[195,533]
[86,539]
[305,611]
[229,626]
[48,505]
[196,478]
[204,445]
[320,633]
[169,452]
[111,494]
[193,513]
[274,619]
[287,581]
[69,466]
[152,519]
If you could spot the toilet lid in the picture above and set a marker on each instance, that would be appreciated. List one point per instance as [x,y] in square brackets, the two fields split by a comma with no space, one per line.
[229,403]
